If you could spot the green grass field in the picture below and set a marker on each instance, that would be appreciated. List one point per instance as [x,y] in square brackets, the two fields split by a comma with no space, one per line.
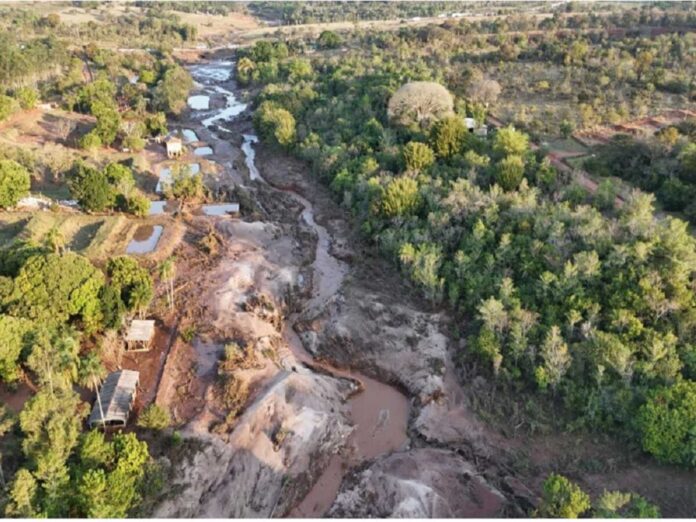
[93,236]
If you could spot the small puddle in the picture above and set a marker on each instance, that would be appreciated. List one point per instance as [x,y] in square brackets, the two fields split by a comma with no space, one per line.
[145,239]
[250,155]
[199,102]
[220,209]
[194,168]
[161,207]
[165,177]
[203,151]
[189,136]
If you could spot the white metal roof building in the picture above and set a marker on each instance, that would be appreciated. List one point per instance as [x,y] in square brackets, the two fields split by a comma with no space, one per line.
[117,395]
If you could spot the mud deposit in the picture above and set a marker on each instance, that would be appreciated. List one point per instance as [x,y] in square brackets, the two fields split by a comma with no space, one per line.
[379,412]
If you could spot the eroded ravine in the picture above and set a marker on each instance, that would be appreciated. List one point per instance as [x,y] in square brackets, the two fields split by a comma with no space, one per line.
[379,412]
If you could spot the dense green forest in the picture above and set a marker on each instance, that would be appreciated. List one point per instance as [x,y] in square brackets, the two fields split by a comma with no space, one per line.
[565,296]
[548,76]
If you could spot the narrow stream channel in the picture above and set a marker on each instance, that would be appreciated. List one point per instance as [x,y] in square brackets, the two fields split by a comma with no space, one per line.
[379,412]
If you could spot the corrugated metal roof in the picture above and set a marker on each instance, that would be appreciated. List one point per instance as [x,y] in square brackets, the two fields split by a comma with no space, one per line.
[140,330]
[117,394]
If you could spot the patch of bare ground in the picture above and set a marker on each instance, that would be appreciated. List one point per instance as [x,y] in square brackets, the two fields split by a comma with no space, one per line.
[381,326]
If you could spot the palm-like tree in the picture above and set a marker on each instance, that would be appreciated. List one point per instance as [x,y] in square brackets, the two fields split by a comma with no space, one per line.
[55,240]
[245,68]
[167,273]
[6,423]
[92,374]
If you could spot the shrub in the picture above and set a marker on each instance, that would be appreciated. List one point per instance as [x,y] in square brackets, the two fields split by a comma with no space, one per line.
[400,197]
[417,156]
[562,498]
[8,106]
[508,141]
[275,123]
[667,423]
[91,189]
[509,172]
[90,141]
[27,97]
[328,40]
[154,417]
[138,205]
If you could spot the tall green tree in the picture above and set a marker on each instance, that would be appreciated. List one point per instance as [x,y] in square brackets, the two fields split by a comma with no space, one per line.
[92,374]
[54,288]
[14,183]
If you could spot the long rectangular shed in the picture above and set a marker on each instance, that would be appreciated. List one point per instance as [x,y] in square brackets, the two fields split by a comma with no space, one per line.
[117,395]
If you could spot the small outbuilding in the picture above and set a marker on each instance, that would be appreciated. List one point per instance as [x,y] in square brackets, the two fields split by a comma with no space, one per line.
[175,146]
[117,396]
[139,334]
[480,129]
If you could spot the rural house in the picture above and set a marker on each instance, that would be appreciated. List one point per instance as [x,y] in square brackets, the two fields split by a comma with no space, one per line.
[139,334]
[117,395]
[174,145]
[473,126]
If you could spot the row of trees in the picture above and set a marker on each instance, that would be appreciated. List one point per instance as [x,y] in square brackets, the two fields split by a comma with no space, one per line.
[593,310]
[293,13]
[564,499]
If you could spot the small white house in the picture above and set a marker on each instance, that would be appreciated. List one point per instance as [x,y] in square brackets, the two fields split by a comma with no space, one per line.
[175,147]
[472,126]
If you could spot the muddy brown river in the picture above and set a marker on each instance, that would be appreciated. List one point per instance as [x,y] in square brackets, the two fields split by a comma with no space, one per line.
[378,411]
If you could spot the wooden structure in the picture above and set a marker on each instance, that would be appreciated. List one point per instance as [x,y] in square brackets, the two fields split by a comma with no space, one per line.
[117,396]
[175,146]
[139,334]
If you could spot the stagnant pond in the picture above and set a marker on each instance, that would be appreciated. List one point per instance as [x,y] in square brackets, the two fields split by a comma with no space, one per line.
[199,102]
[145,239]
[220,209]
[203,151]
